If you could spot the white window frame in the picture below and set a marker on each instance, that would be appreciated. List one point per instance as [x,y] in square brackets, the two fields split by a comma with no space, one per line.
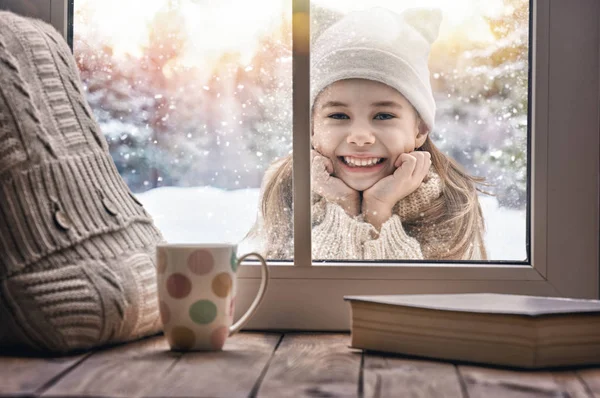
[564,212]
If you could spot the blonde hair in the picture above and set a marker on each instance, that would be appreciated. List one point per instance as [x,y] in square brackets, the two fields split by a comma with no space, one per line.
[456,214]
[275,223]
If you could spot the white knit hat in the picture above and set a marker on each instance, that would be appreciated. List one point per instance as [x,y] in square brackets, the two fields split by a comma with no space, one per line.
[378,44]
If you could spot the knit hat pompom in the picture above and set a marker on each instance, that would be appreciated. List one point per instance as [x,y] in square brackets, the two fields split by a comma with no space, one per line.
[378,44]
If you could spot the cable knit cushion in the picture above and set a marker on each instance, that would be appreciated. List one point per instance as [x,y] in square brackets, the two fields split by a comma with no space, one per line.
[77,249]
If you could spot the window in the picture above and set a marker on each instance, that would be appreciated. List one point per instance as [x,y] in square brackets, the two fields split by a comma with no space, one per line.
[564,191]
[470,59]
[194,106]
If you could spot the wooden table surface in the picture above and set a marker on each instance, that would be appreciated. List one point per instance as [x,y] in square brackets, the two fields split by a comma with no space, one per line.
[276,365]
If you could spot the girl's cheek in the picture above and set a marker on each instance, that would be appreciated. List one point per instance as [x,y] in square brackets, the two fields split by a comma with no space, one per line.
[328,142]
[323,149]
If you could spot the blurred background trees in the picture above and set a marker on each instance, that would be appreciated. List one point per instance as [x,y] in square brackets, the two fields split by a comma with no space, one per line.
[482,97]
[220,124]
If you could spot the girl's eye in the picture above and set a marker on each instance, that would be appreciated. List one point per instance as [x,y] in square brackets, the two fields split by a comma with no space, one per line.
[384,116]
[339,116]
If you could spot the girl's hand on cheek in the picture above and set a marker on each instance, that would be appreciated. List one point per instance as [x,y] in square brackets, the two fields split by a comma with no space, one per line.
[379,200]
[331,188]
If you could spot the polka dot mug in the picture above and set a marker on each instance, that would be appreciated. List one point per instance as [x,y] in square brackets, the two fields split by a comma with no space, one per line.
[196,292]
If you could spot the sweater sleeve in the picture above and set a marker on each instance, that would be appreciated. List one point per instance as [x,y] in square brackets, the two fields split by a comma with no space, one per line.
[393,243]
[411,207]
[336,235]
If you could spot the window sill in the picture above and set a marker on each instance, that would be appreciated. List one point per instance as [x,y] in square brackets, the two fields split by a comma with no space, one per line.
[398,271]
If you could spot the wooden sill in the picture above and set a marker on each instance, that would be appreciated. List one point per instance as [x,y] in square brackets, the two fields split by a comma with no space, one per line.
[275,365]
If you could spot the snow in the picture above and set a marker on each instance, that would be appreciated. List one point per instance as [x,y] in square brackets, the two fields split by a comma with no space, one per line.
[208,214]
[506,230]
[202,214]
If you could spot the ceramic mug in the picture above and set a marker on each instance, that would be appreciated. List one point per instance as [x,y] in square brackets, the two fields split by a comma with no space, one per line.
[196,292]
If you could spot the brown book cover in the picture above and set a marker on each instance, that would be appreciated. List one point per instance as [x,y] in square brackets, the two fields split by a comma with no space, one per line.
[499,329]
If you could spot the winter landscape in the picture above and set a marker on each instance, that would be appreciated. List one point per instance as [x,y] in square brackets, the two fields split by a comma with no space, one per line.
[195,102]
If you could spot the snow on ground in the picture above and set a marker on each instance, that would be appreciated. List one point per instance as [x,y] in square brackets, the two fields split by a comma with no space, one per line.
[207,214]
[506,230]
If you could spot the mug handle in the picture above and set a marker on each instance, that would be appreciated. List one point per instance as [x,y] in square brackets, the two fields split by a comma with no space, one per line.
[259,296]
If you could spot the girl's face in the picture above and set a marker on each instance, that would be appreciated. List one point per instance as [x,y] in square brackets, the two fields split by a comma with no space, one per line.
[364,126]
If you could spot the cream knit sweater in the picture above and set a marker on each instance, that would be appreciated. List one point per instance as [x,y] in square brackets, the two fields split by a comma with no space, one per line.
[76,247]
[339,236]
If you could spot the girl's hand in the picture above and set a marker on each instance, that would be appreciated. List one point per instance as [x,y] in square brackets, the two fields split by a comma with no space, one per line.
[331,188]
[379,200]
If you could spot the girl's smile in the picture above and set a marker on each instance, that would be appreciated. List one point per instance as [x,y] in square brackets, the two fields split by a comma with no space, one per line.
[365,163]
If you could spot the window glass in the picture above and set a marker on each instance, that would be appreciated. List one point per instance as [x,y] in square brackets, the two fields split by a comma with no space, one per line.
[195,101]
[458,76]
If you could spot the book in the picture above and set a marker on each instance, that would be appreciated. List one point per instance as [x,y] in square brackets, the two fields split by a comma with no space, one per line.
[498,329]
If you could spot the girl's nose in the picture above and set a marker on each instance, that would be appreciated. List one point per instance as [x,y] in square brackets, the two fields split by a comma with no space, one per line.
[360,136]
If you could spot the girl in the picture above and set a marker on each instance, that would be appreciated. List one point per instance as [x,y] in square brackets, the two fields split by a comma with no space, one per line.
[381,188]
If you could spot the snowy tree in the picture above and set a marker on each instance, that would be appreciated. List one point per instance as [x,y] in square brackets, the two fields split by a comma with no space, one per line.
[159,66]
[120,108]
[267,99]
[132,99]
[482,96]
[509,58]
